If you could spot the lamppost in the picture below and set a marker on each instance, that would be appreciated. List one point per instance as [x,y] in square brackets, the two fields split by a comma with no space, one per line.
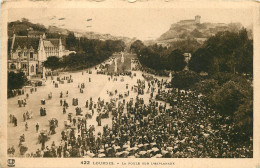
[28,55]
[20,62]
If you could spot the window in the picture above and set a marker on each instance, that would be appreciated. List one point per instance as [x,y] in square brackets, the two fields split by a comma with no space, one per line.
[25,54]
[13,66]
[19,54]
[24,66]
[31,55]
[32,68]
[36,68]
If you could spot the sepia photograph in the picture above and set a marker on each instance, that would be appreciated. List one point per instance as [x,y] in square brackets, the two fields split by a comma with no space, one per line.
[129,83]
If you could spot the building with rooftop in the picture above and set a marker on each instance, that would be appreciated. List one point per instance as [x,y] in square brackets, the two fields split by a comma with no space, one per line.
[28,53]
[188,22]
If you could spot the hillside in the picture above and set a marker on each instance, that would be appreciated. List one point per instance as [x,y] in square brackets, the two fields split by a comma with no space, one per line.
[24,27]
[192,29]
[103,37]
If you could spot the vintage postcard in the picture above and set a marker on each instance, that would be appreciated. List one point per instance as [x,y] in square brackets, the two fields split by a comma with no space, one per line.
[130,84]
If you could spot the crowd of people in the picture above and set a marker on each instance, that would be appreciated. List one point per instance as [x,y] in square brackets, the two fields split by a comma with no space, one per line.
[158,122]
[15,92]
[13,119]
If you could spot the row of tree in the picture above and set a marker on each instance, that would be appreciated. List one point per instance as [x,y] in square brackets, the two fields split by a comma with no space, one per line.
[158,57]
[89,52]
[225,52]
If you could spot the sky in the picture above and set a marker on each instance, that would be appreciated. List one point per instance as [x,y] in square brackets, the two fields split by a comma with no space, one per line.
[142,23]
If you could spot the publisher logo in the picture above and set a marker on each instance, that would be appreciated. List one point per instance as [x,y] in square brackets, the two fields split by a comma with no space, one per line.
[10,162]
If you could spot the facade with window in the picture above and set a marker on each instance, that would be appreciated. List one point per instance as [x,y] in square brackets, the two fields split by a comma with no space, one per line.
[27,54]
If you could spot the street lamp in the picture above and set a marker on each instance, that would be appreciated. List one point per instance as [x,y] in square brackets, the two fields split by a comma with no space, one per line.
[28,54]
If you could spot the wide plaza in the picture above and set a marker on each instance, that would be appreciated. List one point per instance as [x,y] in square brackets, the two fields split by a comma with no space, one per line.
[96,86]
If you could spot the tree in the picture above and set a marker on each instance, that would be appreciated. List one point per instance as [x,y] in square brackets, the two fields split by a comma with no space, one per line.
[150,58]
[71,42]
[243,118]
[185,79]
[157,57]
[222,77]
[225,52]
[244,54]
[52,63]
[176,61]
[235,100]
[228,98]
[189,45]
[206,87]
[201,60]
[91,52]
[137,46]
[16,80]
[21,27]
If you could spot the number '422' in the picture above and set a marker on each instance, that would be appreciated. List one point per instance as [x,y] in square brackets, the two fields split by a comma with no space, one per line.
[85,162]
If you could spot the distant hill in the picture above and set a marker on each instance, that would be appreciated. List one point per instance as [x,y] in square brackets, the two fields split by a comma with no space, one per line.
[194,29]
[24,27]
[94,35]
[189,35]
[54,29]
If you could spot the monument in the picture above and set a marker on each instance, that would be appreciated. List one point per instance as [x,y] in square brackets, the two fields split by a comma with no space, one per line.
[122,57]
[170,77]
[43,73]
[115,64]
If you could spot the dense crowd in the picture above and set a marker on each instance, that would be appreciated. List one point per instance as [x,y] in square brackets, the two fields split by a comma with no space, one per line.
[171,124]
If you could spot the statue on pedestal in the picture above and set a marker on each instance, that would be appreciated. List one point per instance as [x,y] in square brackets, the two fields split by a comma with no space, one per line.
[122,57]
[115,64]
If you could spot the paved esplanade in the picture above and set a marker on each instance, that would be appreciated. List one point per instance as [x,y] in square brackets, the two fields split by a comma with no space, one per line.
[98,87]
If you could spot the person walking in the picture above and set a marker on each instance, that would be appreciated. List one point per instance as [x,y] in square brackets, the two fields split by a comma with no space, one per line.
[11,118]
[26,126]
[64,110]
[37,127]
[15,121]
[44,111]
[24,117]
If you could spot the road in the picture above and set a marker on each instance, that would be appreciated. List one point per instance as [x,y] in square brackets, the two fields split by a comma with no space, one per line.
[98,87]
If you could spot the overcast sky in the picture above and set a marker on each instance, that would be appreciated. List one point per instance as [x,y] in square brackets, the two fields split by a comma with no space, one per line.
[142,23]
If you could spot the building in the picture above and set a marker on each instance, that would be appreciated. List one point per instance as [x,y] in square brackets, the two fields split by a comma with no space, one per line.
[28,53]
[188,22]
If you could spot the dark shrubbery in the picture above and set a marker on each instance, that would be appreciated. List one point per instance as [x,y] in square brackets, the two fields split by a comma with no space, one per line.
[185,79]
[16,80]
[206,87]
[159,58]
[227,99]
[52,63]
[90,52]
[235,99]
[225,52]
[230,95]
